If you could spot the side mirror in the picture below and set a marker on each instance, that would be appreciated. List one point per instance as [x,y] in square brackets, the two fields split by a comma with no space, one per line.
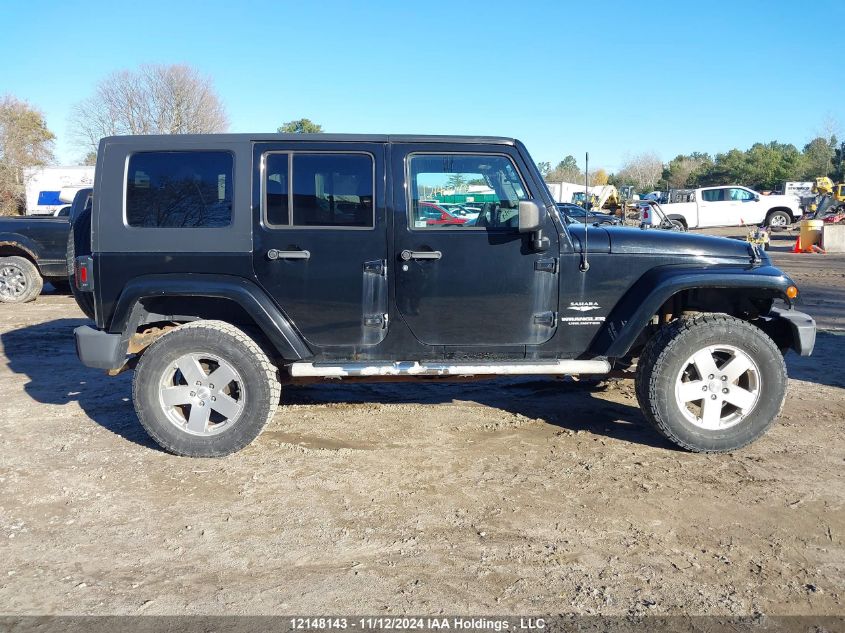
[530,216]
[756,198]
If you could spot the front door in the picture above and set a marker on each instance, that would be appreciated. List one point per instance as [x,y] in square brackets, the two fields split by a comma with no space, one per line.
[321,238]
[714,208]
[465,275]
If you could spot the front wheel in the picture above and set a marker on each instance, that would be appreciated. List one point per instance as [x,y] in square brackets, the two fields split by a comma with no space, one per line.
[778,220]
[711,383]
[205,389]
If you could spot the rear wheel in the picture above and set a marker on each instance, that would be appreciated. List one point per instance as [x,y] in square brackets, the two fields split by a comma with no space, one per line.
[20,280]
[205,389]
[711,383]
[778,220]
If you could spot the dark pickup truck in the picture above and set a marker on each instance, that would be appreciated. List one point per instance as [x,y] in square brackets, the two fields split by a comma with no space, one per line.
[220,267]
[33,249]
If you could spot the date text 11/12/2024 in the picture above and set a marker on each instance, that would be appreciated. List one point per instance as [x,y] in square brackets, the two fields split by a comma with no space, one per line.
[407,623]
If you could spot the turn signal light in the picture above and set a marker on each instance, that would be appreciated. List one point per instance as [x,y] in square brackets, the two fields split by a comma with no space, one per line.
[792,292]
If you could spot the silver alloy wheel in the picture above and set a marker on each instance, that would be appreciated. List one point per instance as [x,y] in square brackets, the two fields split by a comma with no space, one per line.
[12,282]
[202,394]
[778,221]
[718,387]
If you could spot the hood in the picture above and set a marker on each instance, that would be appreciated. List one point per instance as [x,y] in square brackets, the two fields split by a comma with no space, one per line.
[621,239]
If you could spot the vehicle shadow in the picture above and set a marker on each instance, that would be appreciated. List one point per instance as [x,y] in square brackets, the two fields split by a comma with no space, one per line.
[825,366]
[45,354]
[564,403]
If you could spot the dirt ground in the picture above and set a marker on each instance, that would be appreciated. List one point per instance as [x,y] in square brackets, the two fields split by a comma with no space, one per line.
[507,496]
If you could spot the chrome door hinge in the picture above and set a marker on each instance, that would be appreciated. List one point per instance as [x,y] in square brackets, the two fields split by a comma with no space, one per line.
[376,267]
[549,319]
[375,321]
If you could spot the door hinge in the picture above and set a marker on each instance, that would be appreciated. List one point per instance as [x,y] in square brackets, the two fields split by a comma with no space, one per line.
[376,267]
[549,319]
[375,321]
[548,265]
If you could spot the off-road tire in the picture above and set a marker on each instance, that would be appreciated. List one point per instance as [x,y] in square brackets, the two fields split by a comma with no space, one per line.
[260,378]
[78,244]
[779,214]
[662,360]
[33,282]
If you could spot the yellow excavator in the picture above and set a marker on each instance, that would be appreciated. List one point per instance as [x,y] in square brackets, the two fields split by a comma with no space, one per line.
[830,197]
[602,198]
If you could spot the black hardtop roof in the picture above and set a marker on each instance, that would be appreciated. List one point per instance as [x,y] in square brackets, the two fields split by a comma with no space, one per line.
[156,139]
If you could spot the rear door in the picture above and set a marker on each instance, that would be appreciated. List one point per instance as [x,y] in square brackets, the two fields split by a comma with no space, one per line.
[321,238]
[475,281]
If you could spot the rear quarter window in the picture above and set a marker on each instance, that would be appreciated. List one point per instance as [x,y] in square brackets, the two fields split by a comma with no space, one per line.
[179,189]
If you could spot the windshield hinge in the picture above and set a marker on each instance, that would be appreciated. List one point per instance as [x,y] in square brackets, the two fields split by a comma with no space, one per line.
[548,265]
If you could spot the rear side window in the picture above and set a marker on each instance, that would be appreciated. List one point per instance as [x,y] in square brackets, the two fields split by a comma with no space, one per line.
[713,195]
[318,190]
[179,189]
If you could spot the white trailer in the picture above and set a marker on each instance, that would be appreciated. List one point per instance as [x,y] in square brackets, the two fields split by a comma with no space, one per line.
[799,189]
[563,191]
[46,187]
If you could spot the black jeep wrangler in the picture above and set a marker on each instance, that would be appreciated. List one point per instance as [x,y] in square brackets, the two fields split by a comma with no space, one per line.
[222,266]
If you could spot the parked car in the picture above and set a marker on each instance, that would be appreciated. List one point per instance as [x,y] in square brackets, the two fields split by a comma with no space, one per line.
[216,293]
[733,206]
[433,214]
[576,213]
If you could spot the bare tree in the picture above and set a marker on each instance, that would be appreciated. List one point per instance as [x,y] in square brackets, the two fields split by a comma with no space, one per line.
[643,171]
[25,142]
[155,99]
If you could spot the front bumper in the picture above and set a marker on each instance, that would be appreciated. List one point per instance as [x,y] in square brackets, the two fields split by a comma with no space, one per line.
[99,349]
[802,326]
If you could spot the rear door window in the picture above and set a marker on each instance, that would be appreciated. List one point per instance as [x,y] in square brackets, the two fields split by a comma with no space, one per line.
[319,190]
[714,195]
[179,189]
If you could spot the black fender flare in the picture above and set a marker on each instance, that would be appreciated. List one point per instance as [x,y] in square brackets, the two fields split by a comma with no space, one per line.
[643,300]
[130,313]
[23,244]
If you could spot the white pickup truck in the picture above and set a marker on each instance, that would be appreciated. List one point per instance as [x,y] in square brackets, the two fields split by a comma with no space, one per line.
[728,206]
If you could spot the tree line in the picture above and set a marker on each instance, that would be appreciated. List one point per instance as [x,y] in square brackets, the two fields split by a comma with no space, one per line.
[764,167]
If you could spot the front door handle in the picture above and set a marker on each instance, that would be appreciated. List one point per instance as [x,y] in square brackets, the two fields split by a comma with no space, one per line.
[274,254]
[407,255]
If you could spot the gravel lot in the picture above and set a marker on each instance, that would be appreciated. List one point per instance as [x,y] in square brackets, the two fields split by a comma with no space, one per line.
[517,495]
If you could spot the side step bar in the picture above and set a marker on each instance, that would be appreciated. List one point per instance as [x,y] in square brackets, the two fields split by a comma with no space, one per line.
[414,368]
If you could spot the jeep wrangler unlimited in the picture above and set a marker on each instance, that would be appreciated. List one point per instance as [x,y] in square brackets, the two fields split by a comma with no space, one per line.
[221,266]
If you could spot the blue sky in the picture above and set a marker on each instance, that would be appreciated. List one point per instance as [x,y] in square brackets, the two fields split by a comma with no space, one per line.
[614,78]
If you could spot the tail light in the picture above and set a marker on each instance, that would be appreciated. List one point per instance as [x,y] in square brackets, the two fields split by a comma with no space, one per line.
[645,214]
[84,273]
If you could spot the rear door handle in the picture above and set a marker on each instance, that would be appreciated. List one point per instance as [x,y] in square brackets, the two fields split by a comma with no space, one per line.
[274,254]
[407,255]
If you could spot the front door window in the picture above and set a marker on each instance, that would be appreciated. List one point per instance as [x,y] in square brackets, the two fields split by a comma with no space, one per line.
[464,191]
